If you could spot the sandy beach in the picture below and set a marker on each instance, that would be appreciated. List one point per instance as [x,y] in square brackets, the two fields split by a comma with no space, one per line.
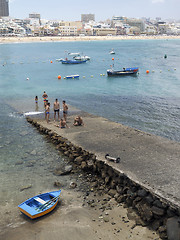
[81,38]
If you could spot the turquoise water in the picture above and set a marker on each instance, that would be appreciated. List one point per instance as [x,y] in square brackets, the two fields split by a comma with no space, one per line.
[149,102]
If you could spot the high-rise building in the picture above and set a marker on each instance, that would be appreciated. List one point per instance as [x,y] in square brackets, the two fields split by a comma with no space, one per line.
[4,8]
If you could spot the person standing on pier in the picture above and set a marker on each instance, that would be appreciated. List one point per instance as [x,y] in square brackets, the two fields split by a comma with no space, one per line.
[65,110]
[56,109]
[47,112]
[44,96]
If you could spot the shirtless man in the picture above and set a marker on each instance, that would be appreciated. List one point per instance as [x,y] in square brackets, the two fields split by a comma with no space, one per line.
[47,112]
[56,109]
[45,96]
[65,110]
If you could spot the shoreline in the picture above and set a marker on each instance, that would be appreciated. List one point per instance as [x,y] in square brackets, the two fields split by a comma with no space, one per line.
[4,40]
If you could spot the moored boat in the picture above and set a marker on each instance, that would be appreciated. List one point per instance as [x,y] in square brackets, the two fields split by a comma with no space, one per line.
[124,72]
[40,205]
[72,61]
[72,76]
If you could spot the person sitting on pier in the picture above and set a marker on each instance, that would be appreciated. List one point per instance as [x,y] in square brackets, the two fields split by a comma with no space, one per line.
[62,124]
[78,121]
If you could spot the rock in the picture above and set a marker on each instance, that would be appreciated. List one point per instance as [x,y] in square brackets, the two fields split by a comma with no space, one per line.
[63,170]
[23,133]
[33,152]
[57,184]
[25,187]
[83,165]
[78,160]
[73,185]
[112,192]
[173,228]
[19,162]
[142,193]
[157,211]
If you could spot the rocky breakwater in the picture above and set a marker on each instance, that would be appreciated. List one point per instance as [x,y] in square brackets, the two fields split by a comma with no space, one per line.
[152,210]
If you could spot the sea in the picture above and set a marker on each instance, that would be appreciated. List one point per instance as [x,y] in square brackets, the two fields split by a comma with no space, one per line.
[149,102]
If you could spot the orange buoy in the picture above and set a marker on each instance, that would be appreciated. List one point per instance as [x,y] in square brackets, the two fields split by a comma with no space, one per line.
[59,77]
[51,61]
[147,71]
[113,59]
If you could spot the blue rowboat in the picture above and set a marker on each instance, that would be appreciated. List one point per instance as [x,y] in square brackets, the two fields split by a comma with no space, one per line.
[40,205]
[124,72]
[73,61]
[72,76]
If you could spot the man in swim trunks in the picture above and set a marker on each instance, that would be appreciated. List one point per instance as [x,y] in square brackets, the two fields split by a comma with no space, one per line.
[65,110]
[56,109]
[47,112]
[44,96]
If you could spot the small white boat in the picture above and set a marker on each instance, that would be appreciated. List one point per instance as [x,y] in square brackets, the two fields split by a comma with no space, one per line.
[72,76]
[112,51]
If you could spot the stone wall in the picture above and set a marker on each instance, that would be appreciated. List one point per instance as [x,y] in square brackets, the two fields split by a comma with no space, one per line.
[154,211]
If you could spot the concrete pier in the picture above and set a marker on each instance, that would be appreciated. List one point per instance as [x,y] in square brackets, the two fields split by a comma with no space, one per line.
[148,160]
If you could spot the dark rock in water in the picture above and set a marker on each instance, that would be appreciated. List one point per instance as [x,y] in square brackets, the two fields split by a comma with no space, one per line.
[63,170]
[19,162]
[73,185]
[25,187]
[24,133]
[57,184]
[173,228]
[33,152]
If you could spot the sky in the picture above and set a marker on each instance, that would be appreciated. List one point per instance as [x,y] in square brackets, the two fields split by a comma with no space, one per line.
[71,10]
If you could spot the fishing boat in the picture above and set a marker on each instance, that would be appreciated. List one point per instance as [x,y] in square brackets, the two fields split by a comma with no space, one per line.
[40,205]
[73,61]
[72,76]
[124,72]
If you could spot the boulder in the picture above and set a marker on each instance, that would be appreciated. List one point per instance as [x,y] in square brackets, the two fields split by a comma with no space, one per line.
[173,228]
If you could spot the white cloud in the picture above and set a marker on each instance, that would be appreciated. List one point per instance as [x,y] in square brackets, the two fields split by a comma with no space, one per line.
[158,1]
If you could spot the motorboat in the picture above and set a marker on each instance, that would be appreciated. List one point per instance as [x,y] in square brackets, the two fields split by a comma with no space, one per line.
[123,72]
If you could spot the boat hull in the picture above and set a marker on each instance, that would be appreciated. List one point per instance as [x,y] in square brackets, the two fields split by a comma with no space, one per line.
[40,205]
[124,72]
[72,61]
[72,76]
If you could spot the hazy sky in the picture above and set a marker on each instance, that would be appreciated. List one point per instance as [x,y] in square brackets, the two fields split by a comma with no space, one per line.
[103,9]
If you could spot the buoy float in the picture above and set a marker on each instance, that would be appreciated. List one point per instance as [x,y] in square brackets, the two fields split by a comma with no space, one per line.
[101,74]
[59,77]
[51,61]
[175,69]
[92,76]
[83,76]
[147,71]
[113,59]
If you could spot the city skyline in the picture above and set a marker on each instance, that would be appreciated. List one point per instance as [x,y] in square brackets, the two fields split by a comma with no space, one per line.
[55,10]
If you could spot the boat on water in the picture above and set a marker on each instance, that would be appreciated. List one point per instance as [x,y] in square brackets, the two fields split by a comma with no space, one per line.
[112,51]
[40,205]
[72,61]
[124,72]
[72,76]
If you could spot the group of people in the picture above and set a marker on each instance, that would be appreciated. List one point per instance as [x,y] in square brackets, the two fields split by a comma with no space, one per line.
[56,107]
